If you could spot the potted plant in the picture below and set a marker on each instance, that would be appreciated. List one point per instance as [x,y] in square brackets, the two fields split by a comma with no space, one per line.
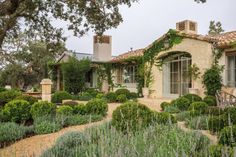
[194,73]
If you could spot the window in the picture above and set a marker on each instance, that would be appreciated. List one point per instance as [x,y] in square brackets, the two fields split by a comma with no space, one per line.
[231,67]
[127,74]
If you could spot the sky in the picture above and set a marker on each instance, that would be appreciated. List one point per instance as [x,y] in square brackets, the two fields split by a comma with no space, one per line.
[147,20]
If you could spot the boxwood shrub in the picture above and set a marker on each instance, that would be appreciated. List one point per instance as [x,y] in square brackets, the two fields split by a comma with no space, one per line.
[65,110]
[28,98]
[228,136]
[164,105]
[111,97]
[210,100]
[80,109]
[230,115]
[70,103]
[97,106]
[8,96]
[198,107]
[122,98]
[132,95]
[182,103]
[122,91]
[42,109]
[85,96]
[17,111]
[57,97]
[193,98]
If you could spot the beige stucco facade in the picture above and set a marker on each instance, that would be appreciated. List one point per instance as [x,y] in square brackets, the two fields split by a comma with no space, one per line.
[201,54]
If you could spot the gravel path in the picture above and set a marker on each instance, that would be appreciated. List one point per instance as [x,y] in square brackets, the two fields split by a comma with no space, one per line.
[34,146]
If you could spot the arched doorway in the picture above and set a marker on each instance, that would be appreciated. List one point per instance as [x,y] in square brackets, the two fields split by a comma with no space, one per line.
[176,79]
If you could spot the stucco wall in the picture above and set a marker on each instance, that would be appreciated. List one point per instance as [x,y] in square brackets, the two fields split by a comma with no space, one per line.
[201,55]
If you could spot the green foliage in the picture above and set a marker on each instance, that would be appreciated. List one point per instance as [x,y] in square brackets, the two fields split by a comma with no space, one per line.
[164,105]
[183,116]
[46,127]
[192,98]
[154,141]
[65,110]
[97,106]
[74,73]
[10,132]
[132,117]
[194,73]
[132,95]
[172,109]
[59,96]
[220,151]
[27,98]
[182,103]
[92,91]
[210,100]
[85,96]
[198,123]
[216,123]
[65,145]
[214,111]
[17,111]
[215,28]
[41,109]
[80,109]
[198,107]
[100,96]
[124,91]
[121,98]
[230,115]
[228,136]
[212,79]
[111,97]
[2,89]
[8,96]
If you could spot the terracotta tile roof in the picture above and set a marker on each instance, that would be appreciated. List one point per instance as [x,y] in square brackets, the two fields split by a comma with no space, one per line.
[134,53]
[223,40]
[226,39]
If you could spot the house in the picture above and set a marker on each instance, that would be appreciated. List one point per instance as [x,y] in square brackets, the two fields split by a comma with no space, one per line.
[171,79]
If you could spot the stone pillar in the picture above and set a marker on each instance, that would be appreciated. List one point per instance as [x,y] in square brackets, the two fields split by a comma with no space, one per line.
[46,90]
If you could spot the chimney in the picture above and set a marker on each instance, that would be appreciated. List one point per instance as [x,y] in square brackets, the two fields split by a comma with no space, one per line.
[102,48]
[187,26]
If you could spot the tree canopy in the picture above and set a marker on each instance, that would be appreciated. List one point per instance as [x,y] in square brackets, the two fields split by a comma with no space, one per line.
[215,28]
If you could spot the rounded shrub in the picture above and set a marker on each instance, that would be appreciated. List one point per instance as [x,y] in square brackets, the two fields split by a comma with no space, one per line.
[92,91]
[124,91]
[70,103]
[59,96]
[111,97]
[214,111]
[85,96]
[97,106]
[216,123]
[164,105]
[228,136]
[193,98]
[100,96]
[8,96]
[65,110]
[131,116]
[28,98]
[10,132]
[198,107]
[80,109]
[210,100]
[43,108]
[46,127]
[163,118]
[17,111]
[230,115]
[121,98]
[132,95]
[182,103]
